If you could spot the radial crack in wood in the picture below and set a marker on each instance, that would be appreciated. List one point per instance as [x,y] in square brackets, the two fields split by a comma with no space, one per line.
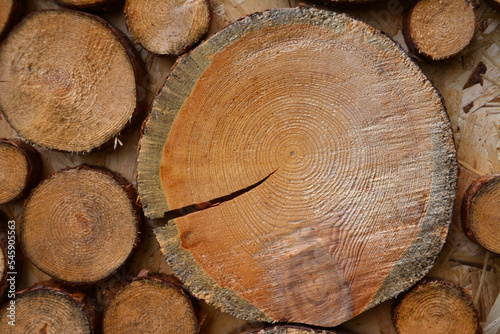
[167,26]
[69,81]
[80,224]
[439,29]
[481,212]
[361,198]
[436,307]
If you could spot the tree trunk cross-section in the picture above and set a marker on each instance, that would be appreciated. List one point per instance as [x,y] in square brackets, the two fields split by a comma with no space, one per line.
[481,212]
[80,225]
[48,309]
[69,81]
[150,305]
[167,27]
[436,307]
[439,29]
[326,155]
[20,167]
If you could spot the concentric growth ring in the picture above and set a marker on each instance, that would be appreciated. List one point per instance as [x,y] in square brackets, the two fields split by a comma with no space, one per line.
[332,152]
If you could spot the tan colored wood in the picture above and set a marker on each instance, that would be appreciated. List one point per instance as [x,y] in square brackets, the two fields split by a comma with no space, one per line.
[89,4]
[9,15]
[308,182]
[439,29]
[436,307]
[296,329]
[167,26]
[48,309]
[20,167]
[80,224]
[481,212]
[75,87]
[150,305]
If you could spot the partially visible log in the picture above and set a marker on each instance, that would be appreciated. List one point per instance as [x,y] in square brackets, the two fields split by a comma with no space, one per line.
[10,13]
[296,329]
[439,29]
[155,303]
[20,168]
[80,225]
[4,256]
[481,212]
[48,308]
[494,3]
[167,26]
[77,84]
[90,5]
[326,159]
[436,307]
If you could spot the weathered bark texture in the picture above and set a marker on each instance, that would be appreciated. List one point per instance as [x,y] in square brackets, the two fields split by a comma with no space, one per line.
[436,307]
[80,224]
[439,29]
[326,158]
[48,308]
[20,166]
[167,26]
[481,212]
[74,86]
[153,304]
[10,13]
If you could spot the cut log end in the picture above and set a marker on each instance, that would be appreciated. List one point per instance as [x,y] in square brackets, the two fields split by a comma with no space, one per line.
[77,82]
[436,307]
[150,305]
[481,212]
[439,29]
[91,5]
[328,194]
[20,167]
[46,310]
[80,224]
[295,329]
[167,27]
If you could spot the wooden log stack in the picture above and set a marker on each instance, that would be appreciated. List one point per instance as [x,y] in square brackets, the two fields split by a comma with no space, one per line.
[297,169]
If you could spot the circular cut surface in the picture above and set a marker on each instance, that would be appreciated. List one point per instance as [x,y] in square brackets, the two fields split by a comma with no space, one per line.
[72,87]
[330,156]
[483,212]
[435,308]
[13,172]
[167,26]
[45,311]
[79,225]
[150,306]
[440,29]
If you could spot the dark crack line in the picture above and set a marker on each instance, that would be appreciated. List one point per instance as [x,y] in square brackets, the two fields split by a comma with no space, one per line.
[173,214]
